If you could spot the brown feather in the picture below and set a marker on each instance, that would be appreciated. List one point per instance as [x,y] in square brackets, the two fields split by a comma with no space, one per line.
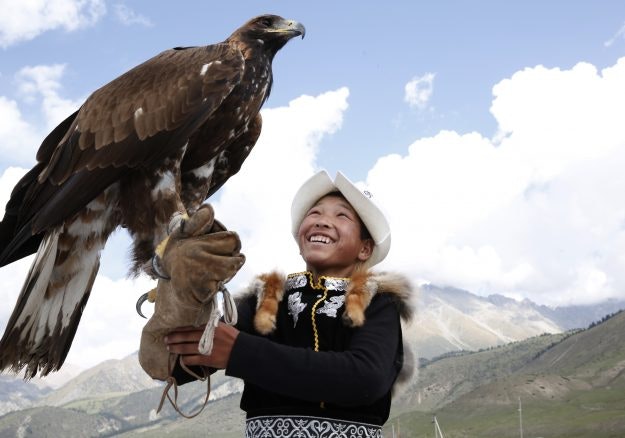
[235,154]
[137,91]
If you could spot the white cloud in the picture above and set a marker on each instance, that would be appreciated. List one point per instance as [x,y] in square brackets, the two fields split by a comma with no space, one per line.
[129,17]
[537,212]
[418,91]
[38,86]
[110,327]
[9,178]
[25,20]
[620,34]
[18,139]
[43,82]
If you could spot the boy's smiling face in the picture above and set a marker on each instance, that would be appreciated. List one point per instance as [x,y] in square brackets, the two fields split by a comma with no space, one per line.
[329,238]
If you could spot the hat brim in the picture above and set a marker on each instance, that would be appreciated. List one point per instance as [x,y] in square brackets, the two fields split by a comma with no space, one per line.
[320,185]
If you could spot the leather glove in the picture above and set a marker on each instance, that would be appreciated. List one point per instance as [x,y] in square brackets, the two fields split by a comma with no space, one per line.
[193,262]
[199,255]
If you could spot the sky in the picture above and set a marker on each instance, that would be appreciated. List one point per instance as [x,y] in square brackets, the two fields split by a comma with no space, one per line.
[491,133]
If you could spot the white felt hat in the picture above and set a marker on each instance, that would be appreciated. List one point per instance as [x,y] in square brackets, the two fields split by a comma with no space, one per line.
[320,185]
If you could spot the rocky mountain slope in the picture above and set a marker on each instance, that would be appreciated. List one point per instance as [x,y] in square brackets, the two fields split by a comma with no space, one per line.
[133,413]
[110,378]
[16,394]
[450,319]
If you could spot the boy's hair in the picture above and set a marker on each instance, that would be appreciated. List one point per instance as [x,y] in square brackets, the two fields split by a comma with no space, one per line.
[374,224]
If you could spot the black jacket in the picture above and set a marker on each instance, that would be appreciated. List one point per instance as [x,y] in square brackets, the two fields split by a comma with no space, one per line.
[320,366]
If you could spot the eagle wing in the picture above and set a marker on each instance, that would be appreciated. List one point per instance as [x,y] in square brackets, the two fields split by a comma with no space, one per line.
[176,91]
[225,165]
[138,119]
[234,155]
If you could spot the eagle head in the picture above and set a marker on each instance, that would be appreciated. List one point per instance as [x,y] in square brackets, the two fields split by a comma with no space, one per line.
[271,31]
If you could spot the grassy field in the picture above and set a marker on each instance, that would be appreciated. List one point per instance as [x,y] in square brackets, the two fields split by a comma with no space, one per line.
[596,413]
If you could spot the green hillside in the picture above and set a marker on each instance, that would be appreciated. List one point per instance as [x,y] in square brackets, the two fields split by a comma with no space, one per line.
[575,388]
[442,380]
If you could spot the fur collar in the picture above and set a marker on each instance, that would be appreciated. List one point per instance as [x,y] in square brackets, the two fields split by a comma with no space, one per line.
[362,287]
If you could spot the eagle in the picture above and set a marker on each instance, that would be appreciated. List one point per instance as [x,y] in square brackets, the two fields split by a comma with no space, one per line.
[149,146]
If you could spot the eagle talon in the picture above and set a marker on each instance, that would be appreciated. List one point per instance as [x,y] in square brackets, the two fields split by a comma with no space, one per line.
[142,299]
[148,296]
[177,222]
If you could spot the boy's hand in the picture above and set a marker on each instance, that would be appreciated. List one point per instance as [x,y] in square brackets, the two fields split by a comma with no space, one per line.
[184,341]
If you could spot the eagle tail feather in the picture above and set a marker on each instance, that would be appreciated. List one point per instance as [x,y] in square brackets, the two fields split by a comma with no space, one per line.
[44,321]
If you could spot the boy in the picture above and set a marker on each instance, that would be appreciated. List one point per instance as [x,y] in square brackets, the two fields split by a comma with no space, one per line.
[319,351]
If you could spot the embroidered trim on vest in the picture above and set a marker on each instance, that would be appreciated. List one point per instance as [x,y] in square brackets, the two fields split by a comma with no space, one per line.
[296,306]
[314,320]
[324,283]
[301,279]
[330,307]
[309,427]
[332,283]
[295,281]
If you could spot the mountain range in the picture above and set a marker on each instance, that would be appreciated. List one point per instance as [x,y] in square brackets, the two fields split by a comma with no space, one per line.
[450,319]
[468,348]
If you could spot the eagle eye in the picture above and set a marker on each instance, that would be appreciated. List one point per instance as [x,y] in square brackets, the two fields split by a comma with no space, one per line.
[266,21]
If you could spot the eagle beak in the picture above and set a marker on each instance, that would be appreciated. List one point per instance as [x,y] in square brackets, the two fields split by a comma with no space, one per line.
[297,28]
[291,27]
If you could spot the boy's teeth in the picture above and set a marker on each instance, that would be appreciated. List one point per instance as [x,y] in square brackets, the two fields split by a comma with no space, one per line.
[321,239]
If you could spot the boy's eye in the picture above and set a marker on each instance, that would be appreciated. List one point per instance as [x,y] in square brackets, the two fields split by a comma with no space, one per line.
[345,215]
